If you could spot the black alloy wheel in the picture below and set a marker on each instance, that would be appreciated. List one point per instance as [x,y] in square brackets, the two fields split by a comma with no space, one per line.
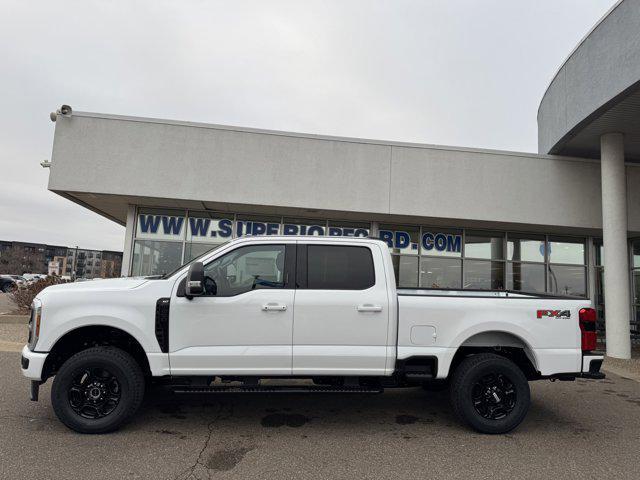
[94,393]
[97,390]
[490,393]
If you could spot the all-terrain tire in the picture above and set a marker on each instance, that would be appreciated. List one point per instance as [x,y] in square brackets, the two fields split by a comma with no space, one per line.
[130,388]
[473,398]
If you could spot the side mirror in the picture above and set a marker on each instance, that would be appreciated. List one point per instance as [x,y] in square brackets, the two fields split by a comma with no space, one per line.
[194,285]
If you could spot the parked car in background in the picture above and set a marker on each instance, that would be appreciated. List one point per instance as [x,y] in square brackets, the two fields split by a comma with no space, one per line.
[7,284]
[34,277]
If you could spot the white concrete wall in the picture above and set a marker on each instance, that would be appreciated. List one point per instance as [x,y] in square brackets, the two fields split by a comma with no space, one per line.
[122,156]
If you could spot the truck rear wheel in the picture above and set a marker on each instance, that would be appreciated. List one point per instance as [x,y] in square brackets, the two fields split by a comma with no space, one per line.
[97,390]
[490,393]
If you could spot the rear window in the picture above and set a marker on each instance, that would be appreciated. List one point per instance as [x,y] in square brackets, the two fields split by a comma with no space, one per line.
[335,267]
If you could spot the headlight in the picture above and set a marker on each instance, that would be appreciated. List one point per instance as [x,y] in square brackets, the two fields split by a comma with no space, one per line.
[34,323]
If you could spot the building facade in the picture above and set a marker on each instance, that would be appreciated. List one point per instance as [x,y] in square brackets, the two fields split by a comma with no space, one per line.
[63,261]
[564,221]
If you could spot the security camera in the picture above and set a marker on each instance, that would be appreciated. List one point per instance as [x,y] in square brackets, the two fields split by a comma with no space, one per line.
[53,116]
[66,110]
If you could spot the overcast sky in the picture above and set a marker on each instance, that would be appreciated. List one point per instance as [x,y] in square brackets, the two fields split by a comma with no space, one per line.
[455,72]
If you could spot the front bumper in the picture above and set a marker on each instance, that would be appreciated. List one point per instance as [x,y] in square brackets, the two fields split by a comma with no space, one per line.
[32,364]
[591,365]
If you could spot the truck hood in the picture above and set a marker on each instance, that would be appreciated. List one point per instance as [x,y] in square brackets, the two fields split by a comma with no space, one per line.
[106,284]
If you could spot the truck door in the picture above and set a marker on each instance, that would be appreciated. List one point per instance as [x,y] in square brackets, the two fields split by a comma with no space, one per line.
[341,318]
[243,325]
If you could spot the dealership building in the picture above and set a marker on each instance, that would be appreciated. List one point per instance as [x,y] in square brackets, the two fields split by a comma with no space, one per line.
[564,221]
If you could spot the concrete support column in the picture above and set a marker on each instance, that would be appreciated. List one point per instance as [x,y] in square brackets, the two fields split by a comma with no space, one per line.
[617,298]
[127,252]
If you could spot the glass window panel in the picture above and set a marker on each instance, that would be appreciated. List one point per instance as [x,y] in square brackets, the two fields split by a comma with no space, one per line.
[155,258]
[257,225]
[193,250]
[440,273]
[567,280]
[483,246]
[337,267]
[566,252]
[525,277]
[441,242]
[247,268]
[636,288]
[406,271]
[636,253]
[483,275]
[525,249]
[401,239]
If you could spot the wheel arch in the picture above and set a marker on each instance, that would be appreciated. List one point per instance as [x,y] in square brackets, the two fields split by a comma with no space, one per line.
[500,342]
[87,336]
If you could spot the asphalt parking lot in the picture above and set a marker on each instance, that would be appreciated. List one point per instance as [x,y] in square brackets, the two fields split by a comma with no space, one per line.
[582,429]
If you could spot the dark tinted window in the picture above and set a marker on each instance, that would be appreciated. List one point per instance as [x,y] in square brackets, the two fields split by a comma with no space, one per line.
[334,267]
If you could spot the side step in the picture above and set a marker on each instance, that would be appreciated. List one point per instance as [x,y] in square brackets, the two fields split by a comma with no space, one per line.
[274,389]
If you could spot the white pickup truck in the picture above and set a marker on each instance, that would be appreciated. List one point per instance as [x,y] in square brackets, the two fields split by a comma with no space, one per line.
[319,309]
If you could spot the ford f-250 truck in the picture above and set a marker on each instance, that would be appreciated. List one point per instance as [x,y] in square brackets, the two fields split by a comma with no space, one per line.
[320,309]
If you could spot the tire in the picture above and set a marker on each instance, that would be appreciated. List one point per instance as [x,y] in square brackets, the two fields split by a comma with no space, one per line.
[490,393]
[97,390]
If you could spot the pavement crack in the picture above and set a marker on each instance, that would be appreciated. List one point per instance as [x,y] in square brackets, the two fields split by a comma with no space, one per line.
[224,412]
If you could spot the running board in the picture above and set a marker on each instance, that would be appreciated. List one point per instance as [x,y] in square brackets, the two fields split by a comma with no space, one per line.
[275,389]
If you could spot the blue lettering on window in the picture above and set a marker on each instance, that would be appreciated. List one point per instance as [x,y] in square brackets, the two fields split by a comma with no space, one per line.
[427,241]
[402,240]
[199,226]
[454,243]
[290,229]
[387,237]
[224,228]
[258,228]
[335,232]
[273,228]
[441,242]
[172,225]
[149,223]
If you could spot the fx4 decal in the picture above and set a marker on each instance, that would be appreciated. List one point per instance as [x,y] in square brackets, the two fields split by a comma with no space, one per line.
[554,313]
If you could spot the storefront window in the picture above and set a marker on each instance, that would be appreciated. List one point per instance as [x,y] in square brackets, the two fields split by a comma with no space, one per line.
[567,280]
[405,268]
[525,249]
[483,275]
[155,258]
[478,245]
[568,252]
[440,272]
[525,277]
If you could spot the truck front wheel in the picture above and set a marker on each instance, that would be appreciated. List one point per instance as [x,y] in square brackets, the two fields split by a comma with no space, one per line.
[97,390]
[490,393]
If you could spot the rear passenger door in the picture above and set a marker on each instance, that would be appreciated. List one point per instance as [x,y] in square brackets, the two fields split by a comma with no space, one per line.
[341,310]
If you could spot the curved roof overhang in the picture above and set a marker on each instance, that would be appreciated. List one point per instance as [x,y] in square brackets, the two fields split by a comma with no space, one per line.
[596,90]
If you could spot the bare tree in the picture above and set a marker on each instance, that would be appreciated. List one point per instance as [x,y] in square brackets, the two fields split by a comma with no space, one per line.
[16,261]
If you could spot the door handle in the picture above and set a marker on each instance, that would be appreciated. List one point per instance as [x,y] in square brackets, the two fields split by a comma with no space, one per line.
[274,307]
[367,307]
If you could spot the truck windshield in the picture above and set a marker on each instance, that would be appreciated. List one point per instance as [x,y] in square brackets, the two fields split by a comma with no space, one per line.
[167,275]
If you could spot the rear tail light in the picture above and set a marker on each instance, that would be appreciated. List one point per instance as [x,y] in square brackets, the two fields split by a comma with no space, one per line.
[587,318]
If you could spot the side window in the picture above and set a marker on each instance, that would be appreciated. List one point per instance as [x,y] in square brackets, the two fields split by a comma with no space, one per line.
[336,267]
[245,269]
